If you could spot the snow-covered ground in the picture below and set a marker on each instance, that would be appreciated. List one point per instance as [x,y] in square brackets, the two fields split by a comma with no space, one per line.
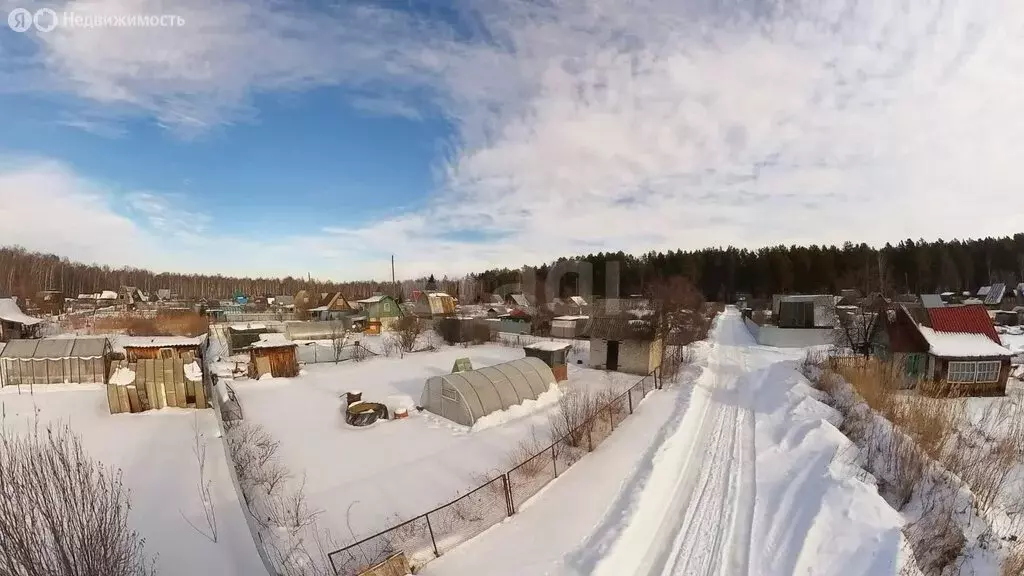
[373,478]
[154,450]
[739,472]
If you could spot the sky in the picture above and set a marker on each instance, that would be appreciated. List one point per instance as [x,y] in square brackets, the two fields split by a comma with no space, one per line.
[272,138]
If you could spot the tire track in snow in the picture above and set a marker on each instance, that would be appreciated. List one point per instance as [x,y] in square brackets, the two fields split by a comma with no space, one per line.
[707,467]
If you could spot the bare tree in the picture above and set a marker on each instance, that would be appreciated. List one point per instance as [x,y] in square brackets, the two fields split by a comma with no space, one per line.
[856,328]
[407,331]
[210,515]
[338,338]
[62,513]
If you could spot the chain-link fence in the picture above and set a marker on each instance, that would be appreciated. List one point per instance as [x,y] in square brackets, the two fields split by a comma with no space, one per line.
[313,352]
[428,536]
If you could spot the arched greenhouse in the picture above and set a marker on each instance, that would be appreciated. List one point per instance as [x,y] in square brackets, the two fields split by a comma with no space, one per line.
[465,397]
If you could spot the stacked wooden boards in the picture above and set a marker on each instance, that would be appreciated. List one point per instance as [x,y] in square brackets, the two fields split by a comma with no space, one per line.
[159,383]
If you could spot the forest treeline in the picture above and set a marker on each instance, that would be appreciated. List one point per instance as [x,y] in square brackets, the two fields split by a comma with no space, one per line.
[719,273]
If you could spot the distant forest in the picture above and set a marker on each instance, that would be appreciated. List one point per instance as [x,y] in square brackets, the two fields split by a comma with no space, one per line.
[719,273]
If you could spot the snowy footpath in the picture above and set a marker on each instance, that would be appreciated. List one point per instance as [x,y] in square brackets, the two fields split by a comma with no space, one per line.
[738,472]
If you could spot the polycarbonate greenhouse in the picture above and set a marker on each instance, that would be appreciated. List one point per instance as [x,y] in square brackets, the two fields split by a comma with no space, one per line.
[55,361]
[465,397]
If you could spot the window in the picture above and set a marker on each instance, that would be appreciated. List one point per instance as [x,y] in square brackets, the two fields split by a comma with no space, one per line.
[449,394]
[962,371]
[988,371]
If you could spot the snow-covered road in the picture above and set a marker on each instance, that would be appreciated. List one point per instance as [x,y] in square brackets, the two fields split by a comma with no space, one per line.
[695,515]
[739,472]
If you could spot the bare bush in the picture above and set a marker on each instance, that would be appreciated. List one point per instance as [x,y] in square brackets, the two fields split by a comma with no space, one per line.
[203,485]
[391,346]
[407,331]
[339,336]
[62,513]
[575,417]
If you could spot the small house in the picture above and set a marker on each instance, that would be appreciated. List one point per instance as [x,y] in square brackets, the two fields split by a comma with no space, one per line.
[15,324]
[465,397]
[273,354]
[55,361]
[949,351]
[570,326]
[433,304]
[803,310]
[49,302]
[333,306]
[243,335]
[555,354]
[381,311]
[624,343]
[518,300]
[285,302]
[164,347]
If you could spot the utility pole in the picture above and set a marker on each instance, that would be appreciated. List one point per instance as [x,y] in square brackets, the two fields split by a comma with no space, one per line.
[392,268]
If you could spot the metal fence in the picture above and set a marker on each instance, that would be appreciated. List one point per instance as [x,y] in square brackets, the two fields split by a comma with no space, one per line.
[316,352]
[426,537]
[260,317]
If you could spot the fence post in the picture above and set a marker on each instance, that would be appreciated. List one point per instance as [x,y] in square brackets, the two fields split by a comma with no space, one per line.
[611,416]
[432,540]
[554,460]
[590,441]
[629,395]
[330,558]
[510,508]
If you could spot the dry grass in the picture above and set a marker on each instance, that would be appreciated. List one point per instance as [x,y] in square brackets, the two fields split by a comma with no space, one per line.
[1013,564]
[928,435]
[188,324]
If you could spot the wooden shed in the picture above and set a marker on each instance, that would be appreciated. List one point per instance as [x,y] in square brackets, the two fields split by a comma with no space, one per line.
[555,354]
[274,354]
[166,347]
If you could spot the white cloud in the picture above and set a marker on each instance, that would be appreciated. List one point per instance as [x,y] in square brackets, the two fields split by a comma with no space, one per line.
[600,124]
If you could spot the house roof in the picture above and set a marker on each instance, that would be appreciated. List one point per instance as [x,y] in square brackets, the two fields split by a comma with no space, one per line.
[621,328]
[963,319]
[520,299]
[373,299]
[932,301]
[962,345]
[549,345]
[160,341]
[11,312]
[273,340]
[984,290]
[995,294]
[578,300]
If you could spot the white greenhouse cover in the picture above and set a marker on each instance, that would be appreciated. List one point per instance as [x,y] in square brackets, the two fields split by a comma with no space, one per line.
[465,397]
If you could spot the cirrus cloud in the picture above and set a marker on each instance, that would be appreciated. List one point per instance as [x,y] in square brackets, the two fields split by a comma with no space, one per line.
[587,125]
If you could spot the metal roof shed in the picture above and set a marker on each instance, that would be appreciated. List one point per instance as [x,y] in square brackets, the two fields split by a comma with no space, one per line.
[465,397]
[55,361]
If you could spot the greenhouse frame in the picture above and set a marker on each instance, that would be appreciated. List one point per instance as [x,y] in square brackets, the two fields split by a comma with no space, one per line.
[465,397]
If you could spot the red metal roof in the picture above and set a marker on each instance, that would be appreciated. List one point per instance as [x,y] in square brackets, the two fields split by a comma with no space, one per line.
[971,319]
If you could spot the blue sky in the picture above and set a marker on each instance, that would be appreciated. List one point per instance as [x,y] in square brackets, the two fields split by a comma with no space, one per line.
[311,160]
[268,138]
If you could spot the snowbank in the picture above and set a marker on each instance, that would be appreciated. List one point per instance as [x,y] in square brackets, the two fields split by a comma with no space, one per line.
[193,372]
[122,377]
[154,451]
[526,408]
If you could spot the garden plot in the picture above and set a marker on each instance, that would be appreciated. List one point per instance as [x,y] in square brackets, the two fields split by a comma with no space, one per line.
[369,478]
[155,452]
